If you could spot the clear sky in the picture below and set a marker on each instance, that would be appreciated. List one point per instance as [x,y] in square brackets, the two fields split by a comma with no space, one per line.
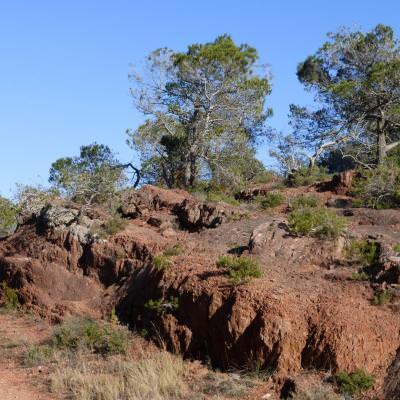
[64,64]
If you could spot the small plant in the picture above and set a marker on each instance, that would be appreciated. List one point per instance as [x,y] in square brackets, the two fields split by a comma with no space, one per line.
[302,201]
[271,200]
[318,393]
[382,297]
[101,338]
[37,355]
[160,306]
[174,250]
[10,297]
[363,252]
[396,248]
[224,197]
[115,225]
[359,276]
[161,262]
[239,269]
[317,222]
[354,383]
[306,176]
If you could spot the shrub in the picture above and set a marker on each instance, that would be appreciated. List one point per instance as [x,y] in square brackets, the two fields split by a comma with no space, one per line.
[224,197]
[270,200]
[115,225]
[363,252]
[239,269]
[396,248]
[7,217]
[174,250]
[318,393]
[10,297]
[359,276]
[303,201]
[379,187]
[306,176]
[382,297]
[97,337]
[161,262]
[160,306]
[37,355]
[317,222]
[354,383]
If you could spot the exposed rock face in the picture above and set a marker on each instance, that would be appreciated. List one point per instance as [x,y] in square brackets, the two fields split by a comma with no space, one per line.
[299,315]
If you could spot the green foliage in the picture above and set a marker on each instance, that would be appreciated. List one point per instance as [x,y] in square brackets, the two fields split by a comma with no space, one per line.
[354,383]
[270,200]
[115,225]
[161,262]
[174,250]
[10,297]
[352,75]
[7,217]
[92,177]
[97,337]
[204,117]
[359,276]
[161,306]
[305,176]
[363,252]
[239,269]
[37,355]
[396,248]
[317,222]
[382,297]
[303,201]
[379,187]
[220,196]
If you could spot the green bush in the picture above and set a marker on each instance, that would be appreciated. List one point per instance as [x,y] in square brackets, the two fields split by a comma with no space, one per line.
[354,383]
[37,355]
[239,269]
[220,196]
[363,252]
[271,200]
[98,337]
[161,262]
[160,306]
[7,217]
[378,187]
[10,297]
[304,201]
[359,276]
[115,225]
[317,222]
[396,248]
[174,250]
[382,297]
[307,176]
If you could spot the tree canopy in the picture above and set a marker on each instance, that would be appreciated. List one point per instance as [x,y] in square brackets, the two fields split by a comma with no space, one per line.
[205,107]
[356,80]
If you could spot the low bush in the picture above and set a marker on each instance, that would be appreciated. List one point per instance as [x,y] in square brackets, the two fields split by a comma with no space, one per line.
[363,252]
[174,250]
[37,355]
[359,276]
[7,217]
[115,225]
[98,337]
[378,187]
[160,306]
[396,248]
[270,200]
[318,393]
[9,296]
[161,262]
[220,196]
[382,297]
[304,201]
[354,383]
[317,222]
[307,176]
[239,269]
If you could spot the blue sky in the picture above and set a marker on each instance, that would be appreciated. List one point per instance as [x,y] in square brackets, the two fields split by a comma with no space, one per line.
[64,64]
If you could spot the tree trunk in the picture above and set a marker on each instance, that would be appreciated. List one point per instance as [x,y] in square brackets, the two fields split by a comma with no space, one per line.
[382,149]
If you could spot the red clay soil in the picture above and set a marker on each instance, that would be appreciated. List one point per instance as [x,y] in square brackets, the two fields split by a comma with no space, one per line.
[304,313]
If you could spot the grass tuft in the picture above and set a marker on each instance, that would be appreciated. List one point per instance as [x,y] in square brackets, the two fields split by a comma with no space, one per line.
[239,269]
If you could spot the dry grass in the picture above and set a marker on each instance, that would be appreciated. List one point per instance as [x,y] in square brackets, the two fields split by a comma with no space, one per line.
[160,377]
